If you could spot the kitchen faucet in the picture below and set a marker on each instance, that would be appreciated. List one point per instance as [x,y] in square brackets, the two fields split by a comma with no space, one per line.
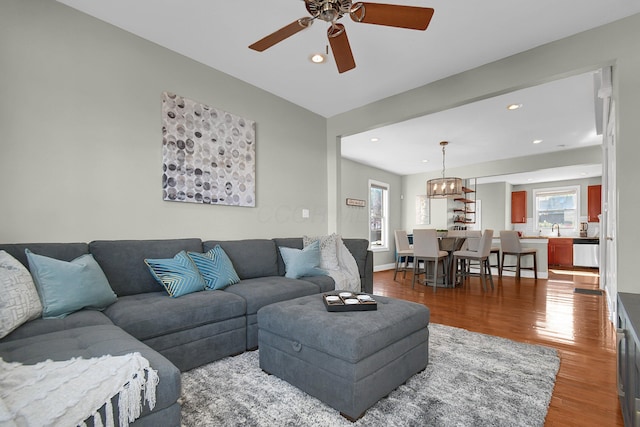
[556,225]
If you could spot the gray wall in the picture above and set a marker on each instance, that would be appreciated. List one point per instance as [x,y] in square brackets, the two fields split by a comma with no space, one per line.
[496,204]
[81,137]
[355,220]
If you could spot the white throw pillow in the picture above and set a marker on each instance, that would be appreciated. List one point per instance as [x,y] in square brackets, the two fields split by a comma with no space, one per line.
[328,250]
[19,300]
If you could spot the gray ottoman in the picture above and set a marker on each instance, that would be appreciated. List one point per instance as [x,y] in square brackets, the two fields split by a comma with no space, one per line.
[348,360]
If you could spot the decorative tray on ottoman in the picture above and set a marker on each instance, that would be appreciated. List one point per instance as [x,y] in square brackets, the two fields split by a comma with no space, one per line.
[349,301]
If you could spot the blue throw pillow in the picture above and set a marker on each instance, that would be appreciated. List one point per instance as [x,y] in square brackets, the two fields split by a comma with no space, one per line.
[65,287]
[300,263]
[216,268]
[179,275]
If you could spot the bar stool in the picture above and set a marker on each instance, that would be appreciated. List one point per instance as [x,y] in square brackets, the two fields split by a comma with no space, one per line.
[481,256]
[510,242]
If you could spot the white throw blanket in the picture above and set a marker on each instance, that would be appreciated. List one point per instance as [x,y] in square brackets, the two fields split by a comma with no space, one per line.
[347,277]
[69,392]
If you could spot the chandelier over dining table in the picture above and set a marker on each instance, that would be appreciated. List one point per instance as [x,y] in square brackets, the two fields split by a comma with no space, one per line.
[440,188]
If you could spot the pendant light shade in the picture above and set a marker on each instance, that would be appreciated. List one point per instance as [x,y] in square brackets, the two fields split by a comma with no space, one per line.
[440,188]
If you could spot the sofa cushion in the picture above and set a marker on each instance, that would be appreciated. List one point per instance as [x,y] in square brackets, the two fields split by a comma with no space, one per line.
[153,314]
[263,291]
[216,268]
[95,341]
[68,286]
[328,250]
[19,300]
[123,261]
[288,242]
[44,326]
[179,275]
[250,258]
[302,262]
[324,283]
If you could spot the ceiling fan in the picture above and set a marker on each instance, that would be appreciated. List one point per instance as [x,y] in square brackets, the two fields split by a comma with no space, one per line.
[410,17]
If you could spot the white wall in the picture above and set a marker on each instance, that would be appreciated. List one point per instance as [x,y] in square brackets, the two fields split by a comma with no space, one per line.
[81,137]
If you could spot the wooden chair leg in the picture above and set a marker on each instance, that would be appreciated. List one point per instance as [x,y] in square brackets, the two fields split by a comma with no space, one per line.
[535,265]
[501,266]
[518,266]
[416,264]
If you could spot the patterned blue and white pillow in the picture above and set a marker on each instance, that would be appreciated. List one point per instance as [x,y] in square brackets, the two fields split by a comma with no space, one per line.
[216,268]
[179,275]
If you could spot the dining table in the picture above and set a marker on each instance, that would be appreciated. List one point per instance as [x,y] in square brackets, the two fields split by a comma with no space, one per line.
[451,244]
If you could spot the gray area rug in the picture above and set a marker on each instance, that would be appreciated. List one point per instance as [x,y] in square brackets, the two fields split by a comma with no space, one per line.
[472,380]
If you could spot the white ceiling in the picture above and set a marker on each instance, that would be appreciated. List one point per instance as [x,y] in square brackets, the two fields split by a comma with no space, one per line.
[461,36]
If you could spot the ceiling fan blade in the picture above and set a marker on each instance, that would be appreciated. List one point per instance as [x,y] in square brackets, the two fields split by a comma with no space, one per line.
[411,17]
[341,48]
[283,33]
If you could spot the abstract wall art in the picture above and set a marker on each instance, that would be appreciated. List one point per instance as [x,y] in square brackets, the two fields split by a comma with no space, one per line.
[208,155]
[422,209]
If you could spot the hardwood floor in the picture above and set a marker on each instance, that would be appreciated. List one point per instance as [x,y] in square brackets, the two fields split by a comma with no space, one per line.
[545,312]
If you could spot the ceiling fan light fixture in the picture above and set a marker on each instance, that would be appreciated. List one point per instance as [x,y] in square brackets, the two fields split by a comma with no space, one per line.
[318,58]
[445,187]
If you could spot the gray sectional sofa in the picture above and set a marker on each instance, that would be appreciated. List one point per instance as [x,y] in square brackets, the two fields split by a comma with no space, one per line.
[174,334]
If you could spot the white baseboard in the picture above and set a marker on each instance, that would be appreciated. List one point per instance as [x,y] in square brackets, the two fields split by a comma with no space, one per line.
[384,267]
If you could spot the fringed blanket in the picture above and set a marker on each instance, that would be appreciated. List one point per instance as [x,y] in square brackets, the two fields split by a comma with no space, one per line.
[347,277]
[69,392]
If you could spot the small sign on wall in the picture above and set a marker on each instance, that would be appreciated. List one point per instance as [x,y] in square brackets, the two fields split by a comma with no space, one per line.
[356,202]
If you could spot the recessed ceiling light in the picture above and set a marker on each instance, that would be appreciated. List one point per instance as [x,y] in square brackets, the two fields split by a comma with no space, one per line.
[425,161]
[374,139]
[318,58]
[530,179]
[537,141]
[514,106]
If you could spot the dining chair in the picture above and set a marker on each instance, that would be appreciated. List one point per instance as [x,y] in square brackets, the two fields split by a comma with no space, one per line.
[427,250]
[403,253]
[510,243]
[473,240]
[481,255]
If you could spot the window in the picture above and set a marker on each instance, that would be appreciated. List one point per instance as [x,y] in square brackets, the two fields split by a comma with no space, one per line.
[378,215]
[557,206]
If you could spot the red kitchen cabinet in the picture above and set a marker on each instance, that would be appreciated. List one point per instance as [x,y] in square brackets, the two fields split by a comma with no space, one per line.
[560,252]
[594,202]
[518,207]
